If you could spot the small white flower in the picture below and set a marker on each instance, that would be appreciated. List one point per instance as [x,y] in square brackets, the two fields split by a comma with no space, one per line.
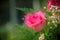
[42,37]
[44,7]
[50,27]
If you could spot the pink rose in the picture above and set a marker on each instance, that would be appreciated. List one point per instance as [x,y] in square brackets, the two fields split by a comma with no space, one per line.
[53,3]
[36,21]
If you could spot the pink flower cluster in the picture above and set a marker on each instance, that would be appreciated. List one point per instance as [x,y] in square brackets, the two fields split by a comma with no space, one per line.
[36,21]
[53,3]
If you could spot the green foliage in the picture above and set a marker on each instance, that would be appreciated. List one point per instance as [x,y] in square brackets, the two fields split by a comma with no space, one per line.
[26,10]
[22,33]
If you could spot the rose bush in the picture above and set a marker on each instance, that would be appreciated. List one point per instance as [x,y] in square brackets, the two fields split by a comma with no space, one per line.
[36,21]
